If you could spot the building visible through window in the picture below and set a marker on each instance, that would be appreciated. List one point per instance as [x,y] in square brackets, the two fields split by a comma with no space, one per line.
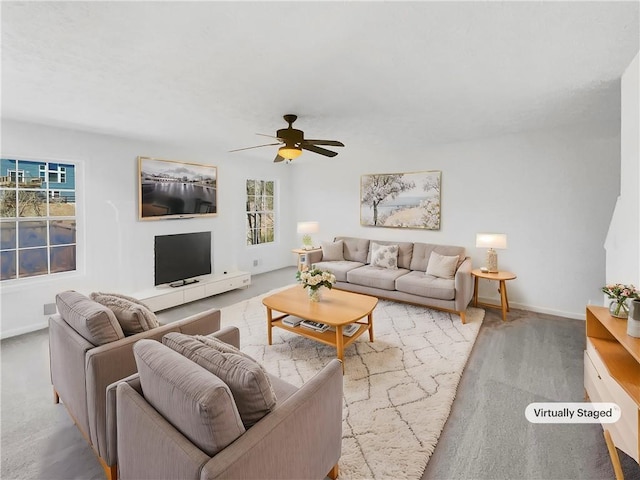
[260,211]
[37,218]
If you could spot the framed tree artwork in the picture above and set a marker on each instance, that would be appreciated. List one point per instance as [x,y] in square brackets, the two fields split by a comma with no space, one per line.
[401,200]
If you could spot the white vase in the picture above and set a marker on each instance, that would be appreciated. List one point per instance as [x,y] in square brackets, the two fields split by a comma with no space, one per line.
[314,294]
[633,321]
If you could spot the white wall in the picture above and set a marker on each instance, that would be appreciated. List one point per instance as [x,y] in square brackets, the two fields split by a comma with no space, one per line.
[115,252]
[623,239]
[551,192]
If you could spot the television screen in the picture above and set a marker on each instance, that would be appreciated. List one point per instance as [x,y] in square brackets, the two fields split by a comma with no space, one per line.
[182,256]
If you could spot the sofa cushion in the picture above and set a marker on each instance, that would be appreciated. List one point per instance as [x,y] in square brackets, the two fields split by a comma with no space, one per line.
[333,251]
[417,283]
[422,253]
[385,256]
[193,400]
[355,249]
[247,380]
[405,252]
[94,322]
[442,266]
[376,277]
[133,315]
[339,269]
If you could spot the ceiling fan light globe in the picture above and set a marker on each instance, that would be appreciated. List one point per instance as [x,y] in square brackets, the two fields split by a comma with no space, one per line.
[289,152]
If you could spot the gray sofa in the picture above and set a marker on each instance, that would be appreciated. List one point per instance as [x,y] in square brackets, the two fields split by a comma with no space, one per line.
[174,419]
[84,362]
[416,278]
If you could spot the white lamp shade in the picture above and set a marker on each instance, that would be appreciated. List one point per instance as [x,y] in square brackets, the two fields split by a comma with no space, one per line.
[308,227]
[491,240]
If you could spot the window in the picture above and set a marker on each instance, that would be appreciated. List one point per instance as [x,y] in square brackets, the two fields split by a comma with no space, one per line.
[37,223]
[260,212]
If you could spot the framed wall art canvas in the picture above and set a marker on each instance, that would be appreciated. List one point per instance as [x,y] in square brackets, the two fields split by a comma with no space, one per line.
[401,200]
[174,189]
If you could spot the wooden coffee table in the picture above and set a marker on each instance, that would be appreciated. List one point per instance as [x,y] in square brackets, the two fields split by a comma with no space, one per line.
[336,308]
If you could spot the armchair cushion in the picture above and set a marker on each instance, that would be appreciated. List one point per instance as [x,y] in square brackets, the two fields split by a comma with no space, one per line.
[248,381]
[193,400]
[133,315]
[94,322]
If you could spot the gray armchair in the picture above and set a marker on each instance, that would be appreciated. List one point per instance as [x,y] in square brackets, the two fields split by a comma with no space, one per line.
[300,438]
[81,371]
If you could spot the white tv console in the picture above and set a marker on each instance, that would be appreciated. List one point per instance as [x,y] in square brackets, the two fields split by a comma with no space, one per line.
[164,296]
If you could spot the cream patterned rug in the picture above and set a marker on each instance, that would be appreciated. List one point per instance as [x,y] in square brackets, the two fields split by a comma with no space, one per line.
[398,390]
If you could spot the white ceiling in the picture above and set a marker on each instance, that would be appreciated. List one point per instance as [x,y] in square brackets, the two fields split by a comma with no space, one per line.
[215,73]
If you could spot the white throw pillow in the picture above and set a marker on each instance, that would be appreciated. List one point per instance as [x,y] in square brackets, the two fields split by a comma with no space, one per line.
[442,266]
[385,256]
[333,251]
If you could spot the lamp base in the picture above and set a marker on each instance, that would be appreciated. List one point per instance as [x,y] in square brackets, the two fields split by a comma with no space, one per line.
[492,261]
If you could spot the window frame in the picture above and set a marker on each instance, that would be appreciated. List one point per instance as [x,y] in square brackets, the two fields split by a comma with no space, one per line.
[260,207]
[70,264]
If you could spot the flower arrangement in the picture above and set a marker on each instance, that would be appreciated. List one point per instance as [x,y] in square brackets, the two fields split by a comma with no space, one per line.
[619,294]
[316,278]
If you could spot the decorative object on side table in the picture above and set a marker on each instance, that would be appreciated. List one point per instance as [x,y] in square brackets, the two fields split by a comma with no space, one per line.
[306,229]
[491,241]
[313,280]
[619,294]
[633,322]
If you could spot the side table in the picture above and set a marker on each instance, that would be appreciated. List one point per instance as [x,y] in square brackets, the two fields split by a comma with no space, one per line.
[501,277]
[302,257]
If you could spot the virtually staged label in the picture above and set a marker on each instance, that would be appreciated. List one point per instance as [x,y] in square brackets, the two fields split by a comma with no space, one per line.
[572,412]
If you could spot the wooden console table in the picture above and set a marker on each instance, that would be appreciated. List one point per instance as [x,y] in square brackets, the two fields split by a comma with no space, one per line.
[612,374]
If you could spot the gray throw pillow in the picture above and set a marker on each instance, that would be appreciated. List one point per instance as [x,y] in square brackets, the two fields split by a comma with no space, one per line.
[246,378]
[385,256]
[94,322]
[442,266]
[194,401]
[133,315]
[333,251]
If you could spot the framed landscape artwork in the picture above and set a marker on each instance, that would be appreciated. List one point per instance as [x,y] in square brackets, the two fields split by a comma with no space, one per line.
[173,189]
[401,200]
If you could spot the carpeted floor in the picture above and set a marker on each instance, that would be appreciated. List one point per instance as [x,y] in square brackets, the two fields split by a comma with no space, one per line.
[398,390]
[530,357]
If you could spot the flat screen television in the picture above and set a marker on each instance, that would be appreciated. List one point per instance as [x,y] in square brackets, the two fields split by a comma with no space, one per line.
[181,257]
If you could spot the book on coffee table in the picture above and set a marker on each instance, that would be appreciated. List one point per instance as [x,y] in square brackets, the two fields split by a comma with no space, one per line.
[316,326]
[292,321]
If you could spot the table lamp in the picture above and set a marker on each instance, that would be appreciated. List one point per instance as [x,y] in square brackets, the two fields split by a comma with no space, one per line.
[306,229]
[491,241]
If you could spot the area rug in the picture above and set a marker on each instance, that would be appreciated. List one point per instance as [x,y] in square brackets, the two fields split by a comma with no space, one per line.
[398,390]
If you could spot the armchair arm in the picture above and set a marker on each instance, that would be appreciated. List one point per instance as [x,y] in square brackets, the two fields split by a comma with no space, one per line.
[300,439]
[67,351]
[463,285]
[114,361]
[144,439]
[230,335]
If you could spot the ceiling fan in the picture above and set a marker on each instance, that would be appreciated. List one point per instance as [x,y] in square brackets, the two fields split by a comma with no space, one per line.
[293,142]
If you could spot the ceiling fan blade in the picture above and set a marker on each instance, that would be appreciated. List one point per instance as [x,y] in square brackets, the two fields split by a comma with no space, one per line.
[257,146]
[334,143]
[278,159]
[321,151]
[270,136]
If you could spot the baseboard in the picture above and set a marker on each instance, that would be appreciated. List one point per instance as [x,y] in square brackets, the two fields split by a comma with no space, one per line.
[21,331]
[534,308]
